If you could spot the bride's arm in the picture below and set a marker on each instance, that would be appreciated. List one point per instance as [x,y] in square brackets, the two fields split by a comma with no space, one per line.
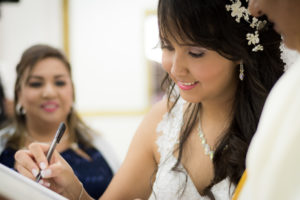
[137,173]
[133,180]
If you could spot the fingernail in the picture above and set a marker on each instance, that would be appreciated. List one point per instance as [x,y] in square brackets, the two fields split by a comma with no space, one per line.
[34,172]
[46,173]
[42,165]
[44,183]
[47,184]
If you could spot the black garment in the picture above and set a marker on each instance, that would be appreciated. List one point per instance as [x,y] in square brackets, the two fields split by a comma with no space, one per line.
[3,116]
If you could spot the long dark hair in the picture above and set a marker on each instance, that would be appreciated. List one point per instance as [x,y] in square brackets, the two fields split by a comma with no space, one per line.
[78,130]
[207,23]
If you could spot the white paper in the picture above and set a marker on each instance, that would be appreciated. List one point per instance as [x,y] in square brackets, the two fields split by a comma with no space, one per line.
[18,187]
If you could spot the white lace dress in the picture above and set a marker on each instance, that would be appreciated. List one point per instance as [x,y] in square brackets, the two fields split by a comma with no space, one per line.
[170,185]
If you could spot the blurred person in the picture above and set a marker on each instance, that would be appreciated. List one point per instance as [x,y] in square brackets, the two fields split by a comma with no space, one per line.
[44,97]
[3,111]
[6,107]
[192,145]
[273,158]
[5,117]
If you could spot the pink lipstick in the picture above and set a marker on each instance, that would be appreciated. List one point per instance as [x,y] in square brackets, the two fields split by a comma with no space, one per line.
[49,106]
[187,86]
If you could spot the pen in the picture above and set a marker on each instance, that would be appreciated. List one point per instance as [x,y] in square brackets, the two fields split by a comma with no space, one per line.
[58,135]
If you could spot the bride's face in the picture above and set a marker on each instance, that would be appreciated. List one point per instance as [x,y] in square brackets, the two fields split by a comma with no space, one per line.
[201,74]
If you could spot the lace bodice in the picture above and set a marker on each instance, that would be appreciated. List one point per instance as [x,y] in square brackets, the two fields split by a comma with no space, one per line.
[170,185]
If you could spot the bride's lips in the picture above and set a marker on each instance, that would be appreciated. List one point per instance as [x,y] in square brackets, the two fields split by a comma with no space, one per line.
[187,85]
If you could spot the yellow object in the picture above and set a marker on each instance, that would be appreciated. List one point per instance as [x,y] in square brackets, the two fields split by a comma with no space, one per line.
[240,186]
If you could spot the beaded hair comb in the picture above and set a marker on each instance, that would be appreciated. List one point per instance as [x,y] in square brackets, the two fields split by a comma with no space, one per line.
[238,11]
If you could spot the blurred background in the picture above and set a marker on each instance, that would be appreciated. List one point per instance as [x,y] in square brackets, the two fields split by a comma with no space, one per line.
[112,46]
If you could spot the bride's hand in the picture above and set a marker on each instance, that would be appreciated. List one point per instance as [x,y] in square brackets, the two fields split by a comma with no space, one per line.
[56,175]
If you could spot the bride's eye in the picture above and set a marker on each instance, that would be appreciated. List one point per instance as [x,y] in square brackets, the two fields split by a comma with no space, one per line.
[196,55]
[196,52]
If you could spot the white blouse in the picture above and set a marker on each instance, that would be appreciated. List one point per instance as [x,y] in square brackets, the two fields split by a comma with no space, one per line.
[171,185]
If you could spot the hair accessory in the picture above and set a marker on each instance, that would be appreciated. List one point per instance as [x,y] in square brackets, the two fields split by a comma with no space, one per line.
[242,75]
[238,11]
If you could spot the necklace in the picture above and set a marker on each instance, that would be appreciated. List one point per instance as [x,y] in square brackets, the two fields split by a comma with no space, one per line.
[207,149]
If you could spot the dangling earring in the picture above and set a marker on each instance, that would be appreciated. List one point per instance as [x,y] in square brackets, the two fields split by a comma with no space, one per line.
[242,75]
[20,110]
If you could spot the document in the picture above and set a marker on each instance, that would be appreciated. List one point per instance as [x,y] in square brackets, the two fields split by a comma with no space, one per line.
[18,187]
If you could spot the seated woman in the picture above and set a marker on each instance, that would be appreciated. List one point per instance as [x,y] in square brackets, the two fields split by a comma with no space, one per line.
[44,97]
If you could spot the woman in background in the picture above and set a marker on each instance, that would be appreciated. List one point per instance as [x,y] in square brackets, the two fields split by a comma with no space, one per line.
[44,97]
[221,64]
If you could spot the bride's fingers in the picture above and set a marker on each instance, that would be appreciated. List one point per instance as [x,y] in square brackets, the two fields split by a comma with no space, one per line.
[38,150]
[59,171]
[45,183]
[25,172]
[55,187]
[25,163]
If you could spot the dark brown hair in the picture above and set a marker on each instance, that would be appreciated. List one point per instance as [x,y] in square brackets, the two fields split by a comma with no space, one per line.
[207,23]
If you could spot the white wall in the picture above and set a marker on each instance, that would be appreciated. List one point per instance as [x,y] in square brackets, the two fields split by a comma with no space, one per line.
[117,130]
[22,25]
[109,66]
[106,52]
[107,45]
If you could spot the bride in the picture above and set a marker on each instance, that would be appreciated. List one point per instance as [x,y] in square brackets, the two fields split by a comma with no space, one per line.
[221,64]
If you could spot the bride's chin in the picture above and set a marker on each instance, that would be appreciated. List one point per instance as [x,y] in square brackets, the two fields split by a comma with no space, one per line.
[190,99]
